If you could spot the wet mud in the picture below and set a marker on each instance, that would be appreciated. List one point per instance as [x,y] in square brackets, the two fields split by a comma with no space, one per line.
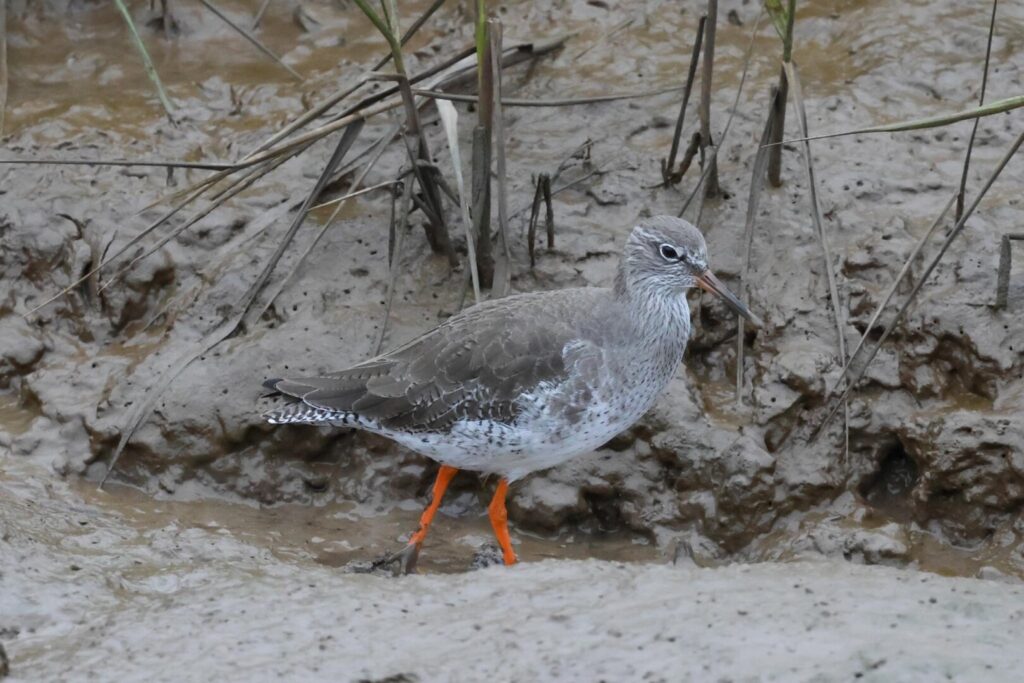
[932,477]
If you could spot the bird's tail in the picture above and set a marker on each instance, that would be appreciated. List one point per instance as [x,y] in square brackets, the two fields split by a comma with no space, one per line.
[302,413]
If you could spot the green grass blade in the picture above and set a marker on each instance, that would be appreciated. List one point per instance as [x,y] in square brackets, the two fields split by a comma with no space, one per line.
[147,62]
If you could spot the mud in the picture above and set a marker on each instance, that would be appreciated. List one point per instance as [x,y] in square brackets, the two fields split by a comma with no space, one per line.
[934,474]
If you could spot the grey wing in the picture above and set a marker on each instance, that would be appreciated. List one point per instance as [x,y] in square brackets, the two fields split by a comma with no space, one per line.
[477,366]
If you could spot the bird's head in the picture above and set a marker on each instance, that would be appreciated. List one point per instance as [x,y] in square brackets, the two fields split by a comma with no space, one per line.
[666,256]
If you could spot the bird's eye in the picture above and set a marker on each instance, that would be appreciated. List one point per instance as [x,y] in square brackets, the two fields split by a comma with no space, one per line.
[669,253]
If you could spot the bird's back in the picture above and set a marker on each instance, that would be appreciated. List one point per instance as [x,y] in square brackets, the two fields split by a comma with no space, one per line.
[475,366]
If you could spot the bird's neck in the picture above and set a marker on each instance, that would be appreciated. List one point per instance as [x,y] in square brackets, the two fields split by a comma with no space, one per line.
[660,314]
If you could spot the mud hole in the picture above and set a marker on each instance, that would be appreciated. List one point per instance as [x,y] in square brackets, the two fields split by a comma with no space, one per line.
[934,474]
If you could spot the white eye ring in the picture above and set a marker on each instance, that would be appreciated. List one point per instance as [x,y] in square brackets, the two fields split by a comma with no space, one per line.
[668,252]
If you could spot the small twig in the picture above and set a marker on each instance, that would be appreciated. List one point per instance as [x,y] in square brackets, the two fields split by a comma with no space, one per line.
[775,159]
[399,226]
[3,63]
[711,185]
[259,14]
[1005,263]
[614,31]
[256,42]
[981,101]
[202,165]
[542,195]
[350,195]
[146,61]
[563,102]
[756,183]
[668,173]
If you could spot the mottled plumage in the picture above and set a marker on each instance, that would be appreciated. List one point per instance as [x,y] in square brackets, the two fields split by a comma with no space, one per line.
[523,383]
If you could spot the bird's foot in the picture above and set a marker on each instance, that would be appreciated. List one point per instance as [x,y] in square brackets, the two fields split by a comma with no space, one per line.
[402,562]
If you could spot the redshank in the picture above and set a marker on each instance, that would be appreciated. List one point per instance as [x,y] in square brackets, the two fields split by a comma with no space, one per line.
[524,383]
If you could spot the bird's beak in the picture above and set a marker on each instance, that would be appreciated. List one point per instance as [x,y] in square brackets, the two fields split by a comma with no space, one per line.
[708,281]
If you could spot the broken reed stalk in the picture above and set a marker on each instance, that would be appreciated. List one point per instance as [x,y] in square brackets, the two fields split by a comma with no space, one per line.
[253,40]
[732,114]
[503,263]
[709,159]
[668,173]
[794,80]
[416,141]
[953,234]
[423,168]
[981,101]
[561,102]
[449,119]
[154,77]
[483,136]
[783,20]
[3,63]
[398,226]
[753,200]
[1003,274]
[259,14]
[541,195]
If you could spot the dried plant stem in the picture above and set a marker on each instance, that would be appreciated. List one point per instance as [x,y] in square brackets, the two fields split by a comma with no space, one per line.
[450,118]
[483,137]
[146,61]
[503,264]
[753,200]
[259,14]
[775,158]
[981,101]
[668,172]
[399,226]
[711,188]
[3,63]
[256,42]
[564,102]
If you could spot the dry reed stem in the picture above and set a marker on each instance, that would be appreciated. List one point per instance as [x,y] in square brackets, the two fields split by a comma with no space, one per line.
[756,184]
[450,121]
[154,77]
[711,188]
[253,40]
[981,101]
[668,174]
[502,264]
[3,63]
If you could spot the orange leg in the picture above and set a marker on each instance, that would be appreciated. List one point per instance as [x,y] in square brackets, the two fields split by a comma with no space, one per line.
[499,520]
[444,477]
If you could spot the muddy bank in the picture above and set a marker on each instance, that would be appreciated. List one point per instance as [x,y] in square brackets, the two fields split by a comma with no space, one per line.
[934,468]
[96,592]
